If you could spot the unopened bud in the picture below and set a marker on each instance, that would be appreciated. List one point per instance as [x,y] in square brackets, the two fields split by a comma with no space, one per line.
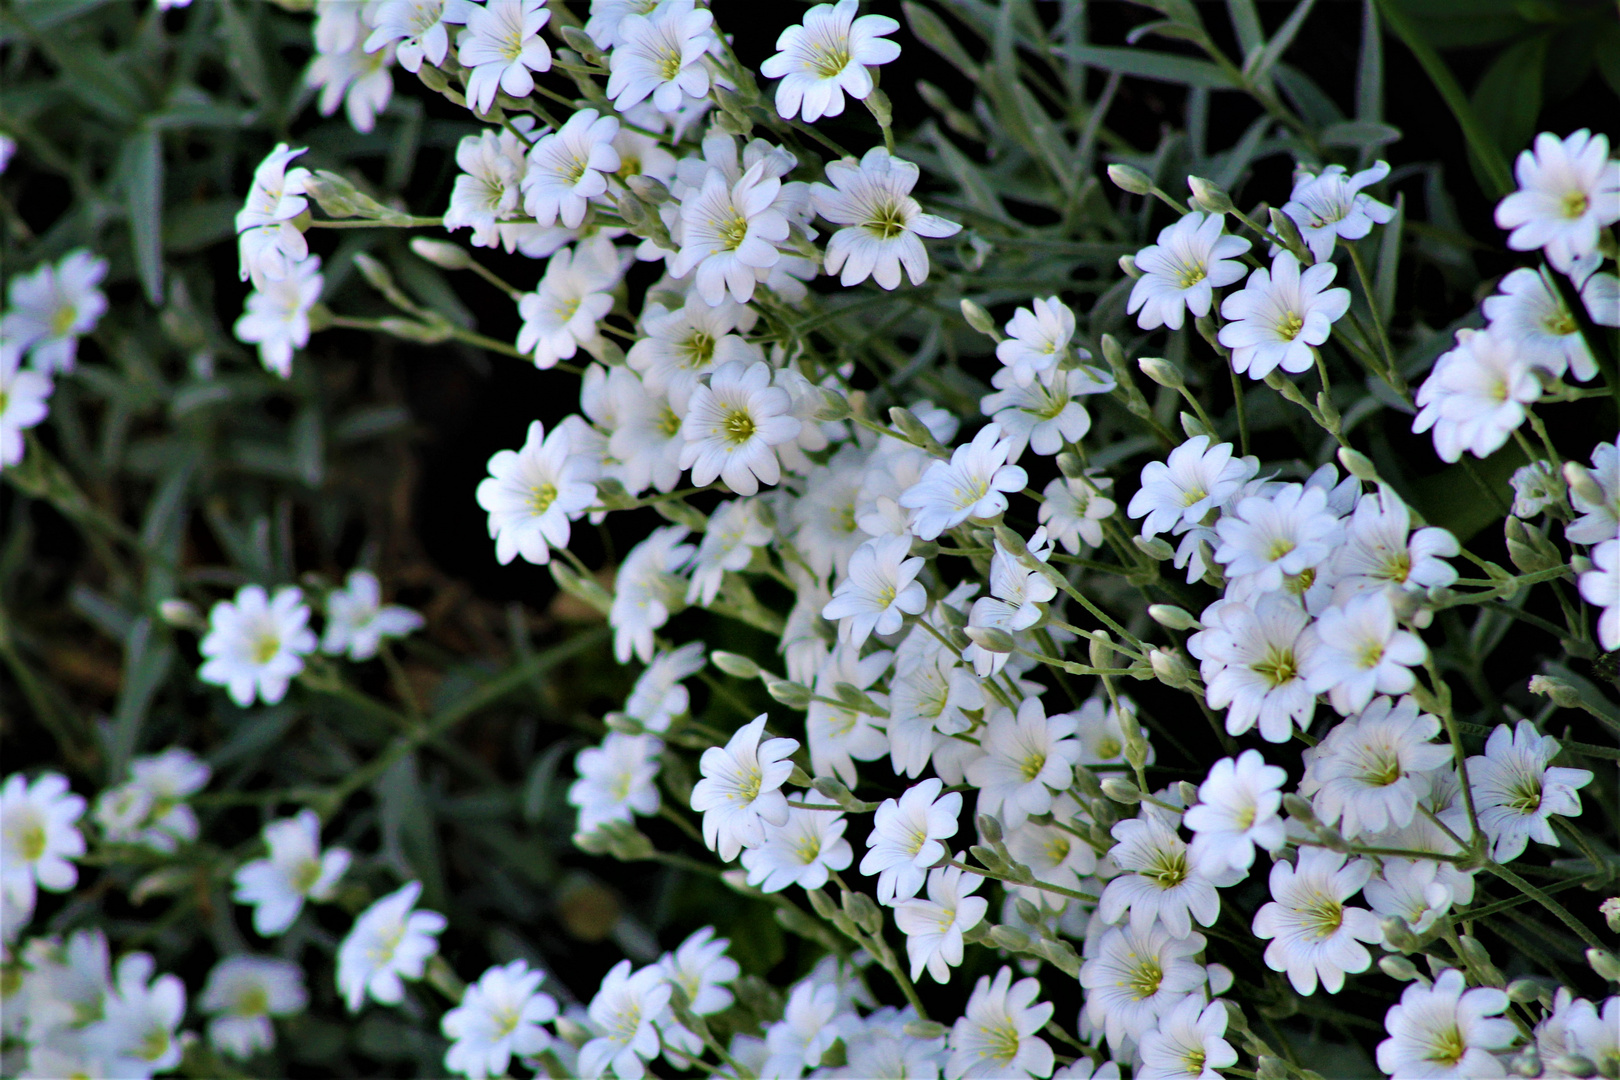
[440,253]
[1299,808]
[648,189]
[1528,548]
[863,910]
[1170,667]
[1127,266]
[1582,485]
[1130,178]
[1121,790]
[1194,427]
[990,828]
[1209,197]
[831,406]
[1102,650]
[623,724]
[1577,1065]
[991,639]
[1611,912]
[1010,938]
[1162,372]
[1070,466]
[791,694]
[734,664]
[1173,617]
[1154,548]
[978,318]
[1524,991]
[1399,936]
[1288,233]
[182,614]
[926,1029]
[1527,1062]
[1398,968]
[375,273]
[433,78]
[1358,465]
[1604,963]
[1188,792]
[915,431]
[799,778]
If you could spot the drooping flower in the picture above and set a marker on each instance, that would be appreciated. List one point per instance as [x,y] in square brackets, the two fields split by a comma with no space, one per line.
[827,56]
[882,222]
[1181,272]
[647,588]
[269,244]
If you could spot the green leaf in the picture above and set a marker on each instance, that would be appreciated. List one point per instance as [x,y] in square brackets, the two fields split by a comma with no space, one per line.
[1360,134]
[1246,25]
[1508,97]
[1308,99]
[1143,64]
[932,31]
[410,837]
[147,659]
[1370,66]
[243,51]
[976,190]
[141,171]
[1260,70]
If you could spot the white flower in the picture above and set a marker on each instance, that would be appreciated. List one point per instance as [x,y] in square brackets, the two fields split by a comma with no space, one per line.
[1280,315]
[1476,396]
[996,1036]
[277,315]
[502,45]
[646,589]
[1073,509]
[1446,1031]
[732,426]
[1194,479]
[24,394]
[296,869]
[1363,775]
[661,55]
[1596,1036]
[623,1010]
[1180,273]
[1187,1044]
[934,927]
[1053,853]
[38,837]
[826,57]
[1314,934]
[244,992]
[881,589]
[1601,586]
[701,968]
[388,942]
[1600,518]
[8,148]
[532,493]
[605,16]
[1017,592]
[841,733]
[1236,810]
[149,808]
[687,343]
[741,789]
[1132,979]
[420,26]
[646,438]
[1027,757]
[1331,206]
[882,222]
[1252,657]
[569,167]
[927,699]
[970,485]
[358,80]
[658,697]
[53,306]
[486,190]
[1536,487]
[734,532]
[1529,312]
[729,232]
[811,1024]
[137,1031]
[1569,191]
[499,1017]
[1359,652]
[560,317]
[269,244]
[1515,790]
[1381,552]
[1037,339]
[1160,881]
[257,643]
[357,620]
[1413,890]
[906,838]
[1267,537]
[1044,413]
[617,780]
[801,852]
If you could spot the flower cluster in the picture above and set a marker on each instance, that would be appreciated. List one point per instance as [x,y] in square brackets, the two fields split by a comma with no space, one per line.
[47,311]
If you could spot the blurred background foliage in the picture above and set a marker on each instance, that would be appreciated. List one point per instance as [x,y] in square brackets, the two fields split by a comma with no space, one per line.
[173,465]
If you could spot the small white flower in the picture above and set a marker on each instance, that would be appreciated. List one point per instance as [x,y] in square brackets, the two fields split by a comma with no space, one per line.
[729,232]
[1536,487]
[53,307]
[1265,538]
[1073,509]
[701,968]
[244,992]
[734,532]
[1381,552]
[502,45]
[149,808]
[1187,1044]
[1314,935]
[661,55]
[813,1021]
[732,426]
[357,80]
[841,733]
[1529,313]
[532,493]
[646,590]
[882,222]
[277,315]
[1181,272]
[970,485]
[270,245]
[137,1031]
[1413,890]
[1132,979]
[1515,789]
[1364,774]
[881,589]
[1446,1031]
[38,837]
[927,700]
[1054,854]
[617,780]
[803,851]
[1595,1035]
[1280,316]
[1476,396]
[1600,518]
[486,190]
[295,870]
[605,16]
[1569,191]
[741,789]
[1236,810]
[499,1018]
[24,397]
[906,838]
[687,343]
[421,27]
[996,1036]
[1600,586]
[826,57]
[569,167]
[1361,651]
[1044,413]
[1160,881]
[1196,478]
[256,643]
[934,927]
[1028,757]
[357,620]
[646,438]
[389,942]
[623,1010]
[658,696]
[561,316]
[1252,657]
[1331,206]
[1037,339]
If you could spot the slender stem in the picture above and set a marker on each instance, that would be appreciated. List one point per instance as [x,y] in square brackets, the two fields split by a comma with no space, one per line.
[1558,910]
[1037,884]
[1242,411]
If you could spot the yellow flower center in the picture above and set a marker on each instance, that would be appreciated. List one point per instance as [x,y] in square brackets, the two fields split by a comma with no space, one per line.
[1370,654]
[1382,770]
[698,349]
[807,849]
[738,427]
[1190,274]
[748,790]
[886,222]
[1168,869]
[305,875]
[252,1001]
[1448,1047]
[265,647]
[30,839]
[1144,979]
[541,497]
[1000,1041]
[154,1044]
[669,63]
[1290,325]
[732,232]
[1323,915]
[828,61]
[1576,204]
[1032,765]
[1279,547]
[62,320]
[1525,795]
[669,425]
[1277,667]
